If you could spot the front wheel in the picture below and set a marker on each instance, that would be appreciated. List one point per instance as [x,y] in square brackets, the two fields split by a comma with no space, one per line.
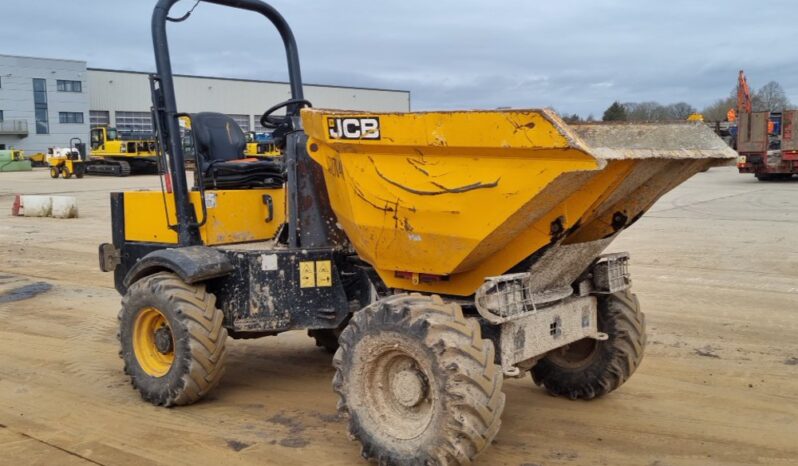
[172,339]
[54,172]
[66,172]
[590,368]
[418,382]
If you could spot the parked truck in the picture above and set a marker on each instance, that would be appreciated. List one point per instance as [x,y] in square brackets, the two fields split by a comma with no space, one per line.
[767,144]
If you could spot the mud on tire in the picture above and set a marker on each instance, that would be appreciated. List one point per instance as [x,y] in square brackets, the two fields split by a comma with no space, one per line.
[418,382]
[590,368]
[198,339]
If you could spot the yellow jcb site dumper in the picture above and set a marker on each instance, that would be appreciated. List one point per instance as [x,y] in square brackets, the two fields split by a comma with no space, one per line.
[436,253]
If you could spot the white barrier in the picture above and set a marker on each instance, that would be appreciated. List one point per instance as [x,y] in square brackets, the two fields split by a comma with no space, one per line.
[45,206]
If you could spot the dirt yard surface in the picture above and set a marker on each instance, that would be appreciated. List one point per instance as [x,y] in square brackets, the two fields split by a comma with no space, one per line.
[715,264]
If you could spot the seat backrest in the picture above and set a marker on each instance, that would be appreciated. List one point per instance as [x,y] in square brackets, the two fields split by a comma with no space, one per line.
[218,137]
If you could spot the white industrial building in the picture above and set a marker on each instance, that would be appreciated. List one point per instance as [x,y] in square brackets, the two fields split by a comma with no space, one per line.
[43,103]
[46,102]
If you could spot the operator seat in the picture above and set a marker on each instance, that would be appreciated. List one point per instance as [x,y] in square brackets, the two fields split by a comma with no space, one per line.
[220,145]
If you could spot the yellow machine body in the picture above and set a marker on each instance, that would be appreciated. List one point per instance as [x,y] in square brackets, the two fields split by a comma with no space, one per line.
[63,162]
[260,149]
[233,216]
[439,201]
[38,159]
[106,143]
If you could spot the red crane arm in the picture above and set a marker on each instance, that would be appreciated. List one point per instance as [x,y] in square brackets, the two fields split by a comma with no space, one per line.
[743,94]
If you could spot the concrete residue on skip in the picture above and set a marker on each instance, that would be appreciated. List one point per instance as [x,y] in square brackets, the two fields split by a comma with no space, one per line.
[654,140]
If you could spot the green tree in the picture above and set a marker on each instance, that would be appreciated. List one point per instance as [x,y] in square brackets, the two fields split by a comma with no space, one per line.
[614,112]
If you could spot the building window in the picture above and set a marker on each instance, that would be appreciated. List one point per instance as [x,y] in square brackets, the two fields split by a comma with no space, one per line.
[134,122]
[40,106]
[69,86]
[242,121]
[99,118]
[70,117]
[1,116]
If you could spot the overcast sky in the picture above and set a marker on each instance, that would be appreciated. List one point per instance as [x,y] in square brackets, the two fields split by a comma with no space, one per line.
[573,55]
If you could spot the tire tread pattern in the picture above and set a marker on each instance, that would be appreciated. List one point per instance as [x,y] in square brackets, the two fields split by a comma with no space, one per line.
[617,359]
[203,363]
[473,387]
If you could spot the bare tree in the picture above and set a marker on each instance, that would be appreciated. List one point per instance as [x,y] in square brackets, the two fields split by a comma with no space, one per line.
[679,110]
[654,111]
[644,111]
[771,97]
[719,109]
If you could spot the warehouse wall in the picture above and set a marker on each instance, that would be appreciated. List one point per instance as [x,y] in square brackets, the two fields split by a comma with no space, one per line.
[19,110]
[123,91]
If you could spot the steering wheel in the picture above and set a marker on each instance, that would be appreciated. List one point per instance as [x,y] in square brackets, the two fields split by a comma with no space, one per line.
[272,122]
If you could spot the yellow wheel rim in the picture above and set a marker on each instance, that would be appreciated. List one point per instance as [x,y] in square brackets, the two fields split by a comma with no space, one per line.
[150,326]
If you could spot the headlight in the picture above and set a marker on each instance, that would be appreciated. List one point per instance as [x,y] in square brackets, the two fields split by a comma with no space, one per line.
[741,159]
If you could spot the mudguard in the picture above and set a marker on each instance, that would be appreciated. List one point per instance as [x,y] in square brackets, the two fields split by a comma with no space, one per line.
[193,264]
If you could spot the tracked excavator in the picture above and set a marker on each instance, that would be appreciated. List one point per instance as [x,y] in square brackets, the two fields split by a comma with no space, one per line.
[118,153]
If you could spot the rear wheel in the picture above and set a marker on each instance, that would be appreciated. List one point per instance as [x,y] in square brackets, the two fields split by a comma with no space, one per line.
[54,172]
[591,368]
[418,382]
[80,170]
[172,338]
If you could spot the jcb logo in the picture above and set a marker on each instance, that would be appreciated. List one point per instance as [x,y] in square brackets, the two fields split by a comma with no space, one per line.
[354,128]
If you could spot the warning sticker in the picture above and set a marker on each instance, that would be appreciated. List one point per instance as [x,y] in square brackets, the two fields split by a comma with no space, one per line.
[307,274]
[323,273]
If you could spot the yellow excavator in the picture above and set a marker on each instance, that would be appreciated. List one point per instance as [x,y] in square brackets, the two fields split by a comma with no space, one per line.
[260,145]
[437,253]
[119,153]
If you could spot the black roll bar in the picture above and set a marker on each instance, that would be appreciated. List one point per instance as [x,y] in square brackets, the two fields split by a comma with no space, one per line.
[187,226]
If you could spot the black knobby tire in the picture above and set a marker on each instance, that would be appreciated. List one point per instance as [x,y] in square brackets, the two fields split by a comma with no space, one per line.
[591,368]
[54,172]
[66,172]
[199,351]
[449,414]
[80,170]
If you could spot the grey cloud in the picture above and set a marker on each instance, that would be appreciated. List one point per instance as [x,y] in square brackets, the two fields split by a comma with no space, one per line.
[577,56]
